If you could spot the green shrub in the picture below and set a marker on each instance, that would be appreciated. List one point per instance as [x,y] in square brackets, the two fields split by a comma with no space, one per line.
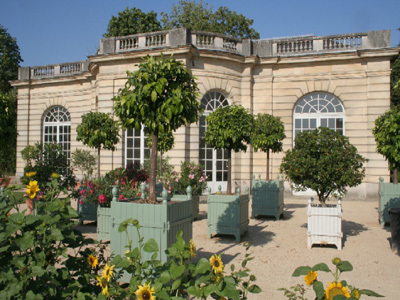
[325,161]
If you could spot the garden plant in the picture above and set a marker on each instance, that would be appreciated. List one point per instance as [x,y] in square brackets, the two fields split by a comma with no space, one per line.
[325,161]
[229,128]
[335,290]
[84,161]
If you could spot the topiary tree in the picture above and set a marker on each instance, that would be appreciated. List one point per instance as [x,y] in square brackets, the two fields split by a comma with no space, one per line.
[387,138]
[98,130]
[161,95]
[229,128]
[325,161]
[267,135]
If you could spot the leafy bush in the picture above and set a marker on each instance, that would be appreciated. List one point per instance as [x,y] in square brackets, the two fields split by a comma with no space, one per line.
[84,161]
[181,277]
[325,161]
[337,290]
[34,262]
[46,162]
[191,174]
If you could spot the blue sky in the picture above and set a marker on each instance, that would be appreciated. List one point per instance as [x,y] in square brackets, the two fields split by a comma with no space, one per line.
[57,31]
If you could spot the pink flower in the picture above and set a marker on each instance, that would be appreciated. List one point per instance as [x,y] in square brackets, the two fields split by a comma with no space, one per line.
[92,192]
[191,176]
[139,194]
[80,202]
[121,198]
[176,179]
[102,199]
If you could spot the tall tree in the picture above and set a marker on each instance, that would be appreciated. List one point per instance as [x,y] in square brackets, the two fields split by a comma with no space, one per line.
[161,95]
[132,21]
[229,128]
[267,135]
[98,130]
[9,62]
[200,16]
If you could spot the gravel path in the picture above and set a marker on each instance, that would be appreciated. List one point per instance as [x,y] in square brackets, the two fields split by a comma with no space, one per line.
[279,247]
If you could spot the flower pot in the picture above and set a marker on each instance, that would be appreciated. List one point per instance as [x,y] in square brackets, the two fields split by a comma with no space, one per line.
[389,197]
[324,224]
[188,196]
[87,212]
[267,197]
[5,181]
[103,223]
[227,214]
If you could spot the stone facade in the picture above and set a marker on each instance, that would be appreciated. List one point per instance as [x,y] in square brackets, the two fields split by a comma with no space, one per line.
[265,76]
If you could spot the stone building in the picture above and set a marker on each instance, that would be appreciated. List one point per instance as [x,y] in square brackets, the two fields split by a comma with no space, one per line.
[340,81]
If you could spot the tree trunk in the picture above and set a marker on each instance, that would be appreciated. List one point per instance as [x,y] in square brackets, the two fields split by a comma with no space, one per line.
[395,177]
[160,164]
[267,177]
[229,186]
[98,162]
[153,168]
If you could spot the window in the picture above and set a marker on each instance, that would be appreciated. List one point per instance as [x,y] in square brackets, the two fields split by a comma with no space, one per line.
[318,109]
[215,162]
[136,149]
[57,128]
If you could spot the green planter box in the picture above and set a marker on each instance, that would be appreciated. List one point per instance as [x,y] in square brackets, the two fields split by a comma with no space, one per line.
[195,199]
[267,197]
[227,214]
[87,212]
[158,221]
[103,223]
[389,197]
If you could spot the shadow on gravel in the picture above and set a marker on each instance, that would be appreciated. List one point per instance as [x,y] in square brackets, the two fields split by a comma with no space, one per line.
[226,258]
[350,228]
[88,227]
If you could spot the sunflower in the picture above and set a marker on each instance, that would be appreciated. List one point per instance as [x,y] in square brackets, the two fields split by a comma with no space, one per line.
[335,289]
[192,248]
[108,272]
[55,175]
[93,261]
[310,277]
[217,264]
[355,294]
[30,174]
[336,261]
[32,189]
[102,282]
[145,292]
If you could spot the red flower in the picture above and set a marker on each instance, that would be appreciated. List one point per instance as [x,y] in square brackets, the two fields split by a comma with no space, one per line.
[102,199]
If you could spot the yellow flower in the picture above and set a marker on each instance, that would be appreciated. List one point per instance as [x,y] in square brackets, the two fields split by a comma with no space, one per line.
[145,292]
[355,294]
[32,189]
[30,174]
[335,289]
[336,261]
[216,264]
[108,272]
[55,175]
[310,277]
[102,282]
[93,261]
[192,248]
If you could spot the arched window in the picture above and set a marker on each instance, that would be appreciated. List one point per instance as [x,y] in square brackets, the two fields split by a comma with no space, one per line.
[318,109]
[215,162]
[57,128]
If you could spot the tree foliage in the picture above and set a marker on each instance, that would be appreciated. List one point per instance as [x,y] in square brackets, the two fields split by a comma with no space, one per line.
[229,128]
[325,161]
[132,21]
[99,131]
[161,95]
[267,135]
[387,137]
[200,16]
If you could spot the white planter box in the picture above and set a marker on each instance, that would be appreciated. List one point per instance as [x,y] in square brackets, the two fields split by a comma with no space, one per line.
[324,224]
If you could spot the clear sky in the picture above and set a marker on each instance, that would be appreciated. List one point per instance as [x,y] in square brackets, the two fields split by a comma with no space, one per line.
[58,31]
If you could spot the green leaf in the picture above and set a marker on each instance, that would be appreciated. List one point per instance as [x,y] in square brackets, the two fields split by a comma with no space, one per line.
[318,288]
[31,296]
[151,246]
[202,266]
[370,293]
[176,284]
[321,267]
[165,277]
[345,266]
[37,271]
[208,289]
[255,289]
[195,291]
[154,96]
[177,271]
[301,271]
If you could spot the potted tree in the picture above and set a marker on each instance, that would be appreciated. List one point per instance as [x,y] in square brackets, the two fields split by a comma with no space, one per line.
[325,161]
[161,96]
[228,128]
[267,195]
[387,143]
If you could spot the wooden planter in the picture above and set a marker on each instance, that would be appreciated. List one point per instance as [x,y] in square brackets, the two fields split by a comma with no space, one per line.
[267,197]
[158,221]
[324,224]
[389,197]
[103,223]
[227,214]
[87,212]
[189,196]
